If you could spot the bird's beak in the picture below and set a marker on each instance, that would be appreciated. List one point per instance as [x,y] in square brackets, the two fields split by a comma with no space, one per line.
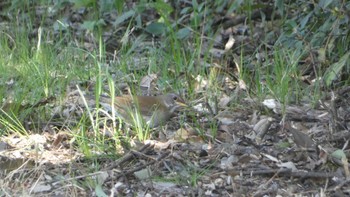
[182,104]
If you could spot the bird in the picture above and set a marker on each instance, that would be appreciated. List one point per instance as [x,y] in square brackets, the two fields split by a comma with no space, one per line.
[155,110]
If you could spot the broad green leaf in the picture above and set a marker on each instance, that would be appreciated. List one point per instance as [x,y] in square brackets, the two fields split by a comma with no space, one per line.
[339,154]
[183,33]
[99,191]
[106,5]
[60,25]
[89,25]
[324,3]
[156,28]
[185,10]
[125,16]
[279,4]
[305,20]
[335,69]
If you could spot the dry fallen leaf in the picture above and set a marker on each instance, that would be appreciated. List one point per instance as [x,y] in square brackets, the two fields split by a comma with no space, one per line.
[261,128]
[224,100]
[230,43]
[147,83]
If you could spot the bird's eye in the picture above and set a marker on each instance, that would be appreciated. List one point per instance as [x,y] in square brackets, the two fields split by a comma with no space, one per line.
[175,98]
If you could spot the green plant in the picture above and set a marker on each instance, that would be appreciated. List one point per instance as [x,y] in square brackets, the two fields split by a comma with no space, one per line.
[322,27]
[11,124]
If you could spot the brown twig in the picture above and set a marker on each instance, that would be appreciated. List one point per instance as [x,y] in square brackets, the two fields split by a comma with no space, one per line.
[288,172]
[129,156]
[161,157]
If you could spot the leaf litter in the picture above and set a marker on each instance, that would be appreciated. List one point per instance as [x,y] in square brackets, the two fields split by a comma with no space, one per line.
[252,149]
